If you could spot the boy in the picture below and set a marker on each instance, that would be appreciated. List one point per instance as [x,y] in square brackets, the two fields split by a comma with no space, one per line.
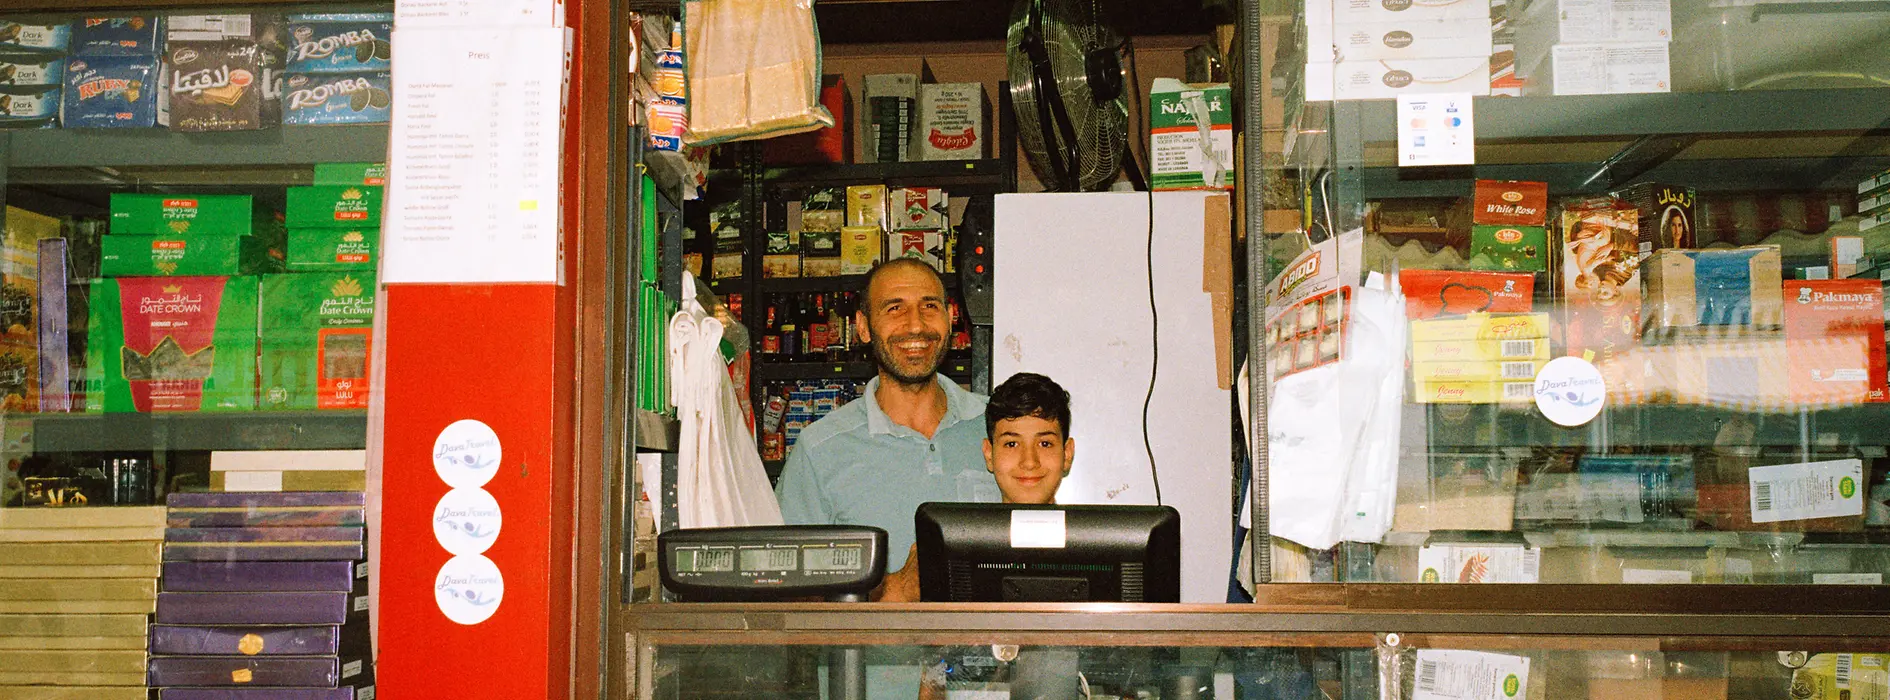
[1027,447]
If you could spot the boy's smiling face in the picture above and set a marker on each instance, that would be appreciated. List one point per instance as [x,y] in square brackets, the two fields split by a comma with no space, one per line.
[1030,456]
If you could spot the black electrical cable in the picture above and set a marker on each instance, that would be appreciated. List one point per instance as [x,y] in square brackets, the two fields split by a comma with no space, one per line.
[1154,317]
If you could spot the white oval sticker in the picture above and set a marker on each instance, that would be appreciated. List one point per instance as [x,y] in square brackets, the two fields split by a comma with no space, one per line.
[469,589]
[467,521]
[1570,391]
[467,454]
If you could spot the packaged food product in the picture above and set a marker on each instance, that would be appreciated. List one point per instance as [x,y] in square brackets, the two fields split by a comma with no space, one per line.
[860,249]
[169,256]
[919,209]
[111,91]
[332,249]
[1843,677]
[1480,350]
[217,86]
[951,122]
[1441,293]
[1510,203]
[1667,215]
[155,344]
[1178,157]
[333,206]
[1719,287]
[1834,331]
[131,35]
[1482,327]
[1601,277]
[36,36]
[1478,392]
[30,107]
[350,174]
[169,214]
[315,340]
[32,69]
[866,206]
[340,98]
[340,46]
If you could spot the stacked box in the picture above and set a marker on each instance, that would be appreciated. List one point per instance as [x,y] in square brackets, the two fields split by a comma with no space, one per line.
[263,591]
[1873,203]
[33,67]
[1507,232]
[76,587]
[315,340]
[20,297]
[165,344]
[1736,290]
[1369,50]
[1600,276]
[793,406]
[1184,153]
[1839,320]
[1594,47]
[338,69]
[951,121]
[1667,220]
[329,230]
[890,101]
[1479,358]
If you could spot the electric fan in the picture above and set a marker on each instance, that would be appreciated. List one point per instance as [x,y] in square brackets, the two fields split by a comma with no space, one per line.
[1067,90]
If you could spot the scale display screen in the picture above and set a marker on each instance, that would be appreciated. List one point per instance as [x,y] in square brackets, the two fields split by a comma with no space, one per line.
[770,560]
[778,562]
[697,561]
[832,559]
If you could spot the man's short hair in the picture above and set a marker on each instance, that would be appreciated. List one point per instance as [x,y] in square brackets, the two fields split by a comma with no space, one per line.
[866,287]
[1027,394]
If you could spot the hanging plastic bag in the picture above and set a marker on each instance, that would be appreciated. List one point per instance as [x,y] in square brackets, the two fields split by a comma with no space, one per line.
[754,70]
[720,480]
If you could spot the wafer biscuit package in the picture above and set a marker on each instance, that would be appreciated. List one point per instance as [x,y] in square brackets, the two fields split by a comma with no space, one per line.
[111,91]
[32,69]
[29,107]
[340,98]
[36,36]
[217,86]
[131,35]
[164,344]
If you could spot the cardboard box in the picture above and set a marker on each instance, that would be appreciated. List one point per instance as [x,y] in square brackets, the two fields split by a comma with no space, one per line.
[919,209]
[333,249]
[1721,287]
[1510,203]
[1469,37]
[333,206]
[1600,277]
[1440,293]
[1509,248]
[951,123]
[1178,159]
[860,249]
[195,256]
[780,266]
[223,27]
[340,47]
[1667,216]
[163,344]
[1477,371]
[1601,69]
[866,206]
[1834,333]
[131,35]
[1479,563]
[20,297]
[315,341]
[219,86]
[32,70]
[891,101]
[111,92]
[1480,350]
[1387,79]
[1549,22]
[1874,183]
[374,174]
[337,98]
[924,245]
[1482,327]
[1457,491]
[180,214]
[1351,12]
[1479,392]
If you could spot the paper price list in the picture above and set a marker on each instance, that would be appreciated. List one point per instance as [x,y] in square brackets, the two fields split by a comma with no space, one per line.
[475,163]
[417,14]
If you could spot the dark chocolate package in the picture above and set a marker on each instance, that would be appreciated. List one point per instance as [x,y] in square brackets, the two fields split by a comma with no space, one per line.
[340,47]
[250,671]
[216,86]
[259,576]
[339,98]
[111,91]
[29,107]
[134,35]
[169,640]
[324,608]
[32,69]
[352,693]
[35,35]
[265,499]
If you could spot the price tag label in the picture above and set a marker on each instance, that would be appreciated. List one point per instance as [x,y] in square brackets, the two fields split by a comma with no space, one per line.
[1470,675]
[1831,489]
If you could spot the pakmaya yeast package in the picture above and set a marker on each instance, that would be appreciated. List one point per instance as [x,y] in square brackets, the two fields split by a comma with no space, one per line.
[168,344]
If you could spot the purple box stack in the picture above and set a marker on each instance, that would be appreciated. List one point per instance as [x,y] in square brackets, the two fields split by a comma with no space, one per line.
[264,597]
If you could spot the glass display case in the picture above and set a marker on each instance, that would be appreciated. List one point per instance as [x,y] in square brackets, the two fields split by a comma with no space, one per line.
[1607,305]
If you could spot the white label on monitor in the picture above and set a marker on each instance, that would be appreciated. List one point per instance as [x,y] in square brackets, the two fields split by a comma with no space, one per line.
[1037,529]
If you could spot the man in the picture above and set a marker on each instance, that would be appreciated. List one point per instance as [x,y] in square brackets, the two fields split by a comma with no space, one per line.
[1027,446]
[914,437]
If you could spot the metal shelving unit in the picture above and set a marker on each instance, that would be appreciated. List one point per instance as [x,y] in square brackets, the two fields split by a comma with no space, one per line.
[154,432]
[133,148]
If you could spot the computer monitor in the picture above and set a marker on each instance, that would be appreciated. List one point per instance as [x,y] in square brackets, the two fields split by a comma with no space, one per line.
[987,552]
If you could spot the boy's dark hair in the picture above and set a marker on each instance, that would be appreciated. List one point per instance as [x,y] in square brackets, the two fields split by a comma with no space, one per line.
[1027,394]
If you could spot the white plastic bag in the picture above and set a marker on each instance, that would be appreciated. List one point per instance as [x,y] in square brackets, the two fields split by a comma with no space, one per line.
[720,480]
[754,70]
